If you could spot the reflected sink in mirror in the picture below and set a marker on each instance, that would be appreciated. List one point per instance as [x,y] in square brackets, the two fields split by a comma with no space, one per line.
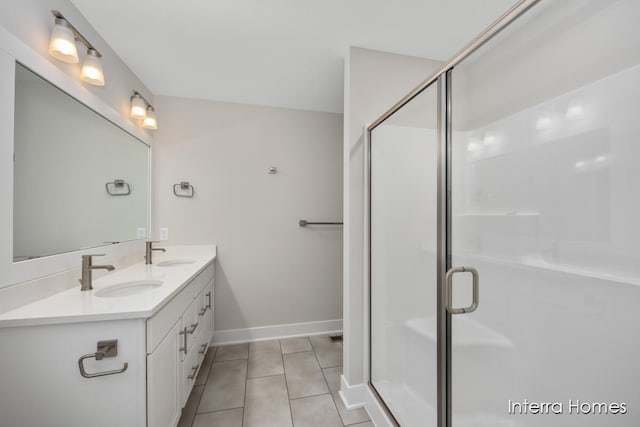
[128,288]
[175,262]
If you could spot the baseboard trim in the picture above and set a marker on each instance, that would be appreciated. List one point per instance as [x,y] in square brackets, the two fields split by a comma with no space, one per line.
[352,396]
[237,336]
[357,396]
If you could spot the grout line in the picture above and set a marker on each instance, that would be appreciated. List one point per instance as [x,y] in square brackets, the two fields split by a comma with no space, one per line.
[286,384]
[265,376]
[313,395]
[246,386]
[221,410]
[329,367]
[327,383]
[297,351]
[320,366]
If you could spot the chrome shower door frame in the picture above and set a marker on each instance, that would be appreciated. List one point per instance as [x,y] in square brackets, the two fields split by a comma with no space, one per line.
[443,79]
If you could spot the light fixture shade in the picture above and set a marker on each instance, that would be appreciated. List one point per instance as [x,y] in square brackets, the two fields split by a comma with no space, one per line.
[92,72]
[62,45]
[138,107]
[150,122]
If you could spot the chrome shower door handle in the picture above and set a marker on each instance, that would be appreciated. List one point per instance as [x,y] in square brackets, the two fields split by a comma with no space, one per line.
[449,290]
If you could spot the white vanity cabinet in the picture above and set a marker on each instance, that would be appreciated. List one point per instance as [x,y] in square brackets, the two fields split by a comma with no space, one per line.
[177,340]
[41,385]
[161,342]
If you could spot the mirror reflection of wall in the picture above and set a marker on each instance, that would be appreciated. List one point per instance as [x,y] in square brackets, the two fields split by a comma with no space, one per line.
[65,154]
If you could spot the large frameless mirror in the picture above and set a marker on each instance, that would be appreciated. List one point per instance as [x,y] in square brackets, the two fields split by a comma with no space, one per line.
[80,181]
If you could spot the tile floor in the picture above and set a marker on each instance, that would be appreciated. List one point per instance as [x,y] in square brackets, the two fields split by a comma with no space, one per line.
[281,383]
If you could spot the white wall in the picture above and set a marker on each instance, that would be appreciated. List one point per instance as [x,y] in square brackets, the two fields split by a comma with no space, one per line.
[374,81]
[269,271]
[25,28]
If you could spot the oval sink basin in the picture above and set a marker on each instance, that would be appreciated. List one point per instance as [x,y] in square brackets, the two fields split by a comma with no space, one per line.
[128,288]
[175,262]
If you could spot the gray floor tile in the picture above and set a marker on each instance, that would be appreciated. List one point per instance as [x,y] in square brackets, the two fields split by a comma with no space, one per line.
[263,364]
[304,377]
[332,375]
[229,373]
[189,411]
[228,418]
[316,411]
[329,353]
[225,386]
[267,403]
[232,352]
[201,379]
[271,346]
[295,345]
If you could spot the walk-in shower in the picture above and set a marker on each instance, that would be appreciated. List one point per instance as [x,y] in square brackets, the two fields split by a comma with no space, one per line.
[519,159]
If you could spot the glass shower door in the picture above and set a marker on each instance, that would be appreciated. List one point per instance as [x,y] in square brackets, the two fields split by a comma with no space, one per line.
[545,206]
[403,260]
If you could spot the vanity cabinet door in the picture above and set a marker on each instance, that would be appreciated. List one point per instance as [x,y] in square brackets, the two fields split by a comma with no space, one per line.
[164,404]
[190,368]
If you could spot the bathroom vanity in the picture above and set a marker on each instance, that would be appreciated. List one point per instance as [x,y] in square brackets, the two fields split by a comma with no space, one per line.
[125,353]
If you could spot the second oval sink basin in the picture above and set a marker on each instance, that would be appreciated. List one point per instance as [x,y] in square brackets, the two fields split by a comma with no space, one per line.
[175,262]
[128,288]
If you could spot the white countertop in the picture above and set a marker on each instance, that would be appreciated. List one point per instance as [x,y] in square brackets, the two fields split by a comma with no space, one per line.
[74,305]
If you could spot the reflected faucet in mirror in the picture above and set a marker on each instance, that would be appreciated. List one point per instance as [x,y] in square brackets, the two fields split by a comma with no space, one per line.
[149,251]
[87,268]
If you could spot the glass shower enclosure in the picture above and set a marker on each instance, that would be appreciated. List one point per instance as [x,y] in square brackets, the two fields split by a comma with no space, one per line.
[504,240]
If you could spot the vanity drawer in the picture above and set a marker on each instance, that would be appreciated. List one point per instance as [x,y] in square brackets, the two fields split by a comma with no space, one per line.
[191,322]
[204,277]
[159,325]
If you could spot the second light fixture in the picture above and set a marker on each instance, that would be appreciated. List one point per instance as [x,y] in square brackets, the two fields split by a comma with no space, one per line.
[141,109]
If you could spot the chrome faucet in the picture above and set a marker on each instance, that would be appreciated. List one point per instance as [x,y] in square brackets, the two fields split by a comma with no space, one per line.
[149,251]
[87,268]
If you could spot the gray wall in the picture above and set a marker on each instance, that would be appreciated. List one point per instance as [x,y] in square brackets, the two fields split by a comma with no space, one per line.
[374,81]
[270,271]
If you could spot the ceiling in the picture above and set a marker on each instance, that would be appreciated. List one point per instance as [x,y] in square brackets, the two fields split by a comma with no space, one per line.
[283,53]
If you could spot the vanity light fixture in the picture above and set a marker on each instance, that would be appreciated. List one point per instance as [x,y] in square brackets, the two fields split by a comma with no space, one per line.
[62,46]
[92,72]
[150,122]
[138,106]
[143,110]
